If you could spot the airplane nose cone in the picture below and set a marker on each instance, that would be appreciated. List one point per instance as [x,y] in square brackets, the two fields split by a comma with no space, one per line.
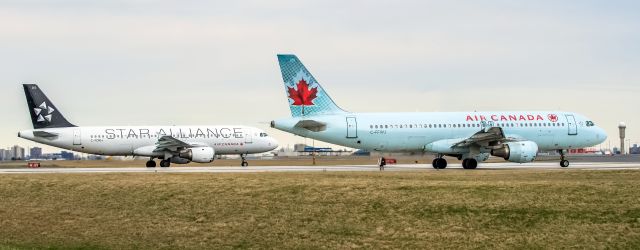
[273,144]
[601,135]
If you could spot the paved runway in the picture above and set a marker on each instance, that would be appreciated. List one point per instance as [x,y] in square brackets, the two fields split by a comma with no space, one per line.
[408,167]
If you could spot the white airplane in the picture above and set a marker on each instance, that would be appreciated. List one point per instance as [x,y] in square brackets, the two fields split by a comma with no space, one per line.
[171,144]
[469,136]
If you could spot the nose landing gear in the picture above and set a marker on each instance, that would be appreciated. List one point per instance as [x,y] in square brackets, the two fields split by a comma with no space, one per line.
[244,160]
[563,163]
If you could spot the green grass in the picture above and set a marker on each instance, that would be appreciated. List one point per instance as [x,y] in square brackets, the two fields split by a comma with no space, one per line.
[434,209]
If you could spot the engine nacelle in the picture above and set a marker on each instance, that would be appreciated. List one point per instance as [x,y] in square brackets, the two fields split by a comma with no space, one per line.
[478,157]
[520,152]
[198,154]
[178,160]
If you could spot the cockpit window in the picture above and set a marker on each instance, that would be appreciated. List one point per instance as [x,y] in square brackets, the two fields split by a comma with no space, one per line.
[263,135]
[590,124]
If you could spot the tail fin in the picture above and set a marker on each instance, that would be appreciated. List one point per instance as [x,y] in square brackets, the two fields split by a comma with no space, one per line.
[43,113]
[306,96]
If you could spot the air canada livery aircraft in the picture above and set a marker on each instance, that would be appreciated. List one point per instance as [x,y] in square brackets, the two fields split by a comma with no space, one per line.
[171,144]
[472,137]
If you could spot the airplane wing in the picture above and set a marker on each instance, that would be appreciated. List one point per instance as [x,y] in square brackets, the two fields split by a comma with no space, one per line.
[485,138]
[169,143]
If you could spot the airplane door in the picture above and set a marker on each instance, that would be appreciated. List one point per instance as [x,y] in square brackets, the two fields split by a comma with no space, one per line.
[248,138]
[352,127]
[77,138]
[571,123]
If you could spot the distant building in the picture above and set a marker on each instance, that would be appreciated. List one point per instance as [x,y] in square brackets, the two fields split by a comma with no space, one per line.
[634,150]
[1,154]
[362,152]
[35,153]
[299,147]
[18,153]
[583,151]
[7,154]
[67,155]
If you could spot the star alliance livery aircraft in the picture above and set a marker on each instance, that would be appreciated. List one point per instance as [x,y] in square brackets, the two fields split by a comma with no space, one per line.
[171,144]
[469,136]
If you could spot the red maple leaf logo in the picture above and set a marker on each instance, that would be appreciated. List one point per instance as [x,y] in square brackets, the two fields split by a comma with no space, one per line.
[304,95]
[552,117]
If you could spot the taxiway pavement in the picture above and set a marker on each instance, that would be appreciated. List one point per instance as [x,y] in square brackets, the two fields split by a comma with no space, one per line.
[402,167]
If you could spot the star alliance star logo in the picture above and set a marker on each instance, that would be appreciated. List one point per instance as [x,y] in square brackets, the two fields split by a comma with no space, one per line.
[44,112]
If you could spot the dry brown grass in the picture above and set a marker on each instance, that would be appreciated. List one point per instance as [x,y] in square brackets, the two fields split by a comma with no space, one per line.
[435,209]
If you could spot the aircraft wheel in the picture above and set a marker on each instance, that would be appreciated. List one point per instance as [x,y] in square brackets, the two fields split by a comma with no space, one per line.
[151,164]
[433,163]
[469,163]
[165,163]
[440,163]
[564,163]
[244,164]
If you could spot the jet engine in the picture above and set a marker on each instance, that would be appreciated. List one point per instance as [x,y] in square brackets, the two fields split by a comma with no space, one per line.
[178,160]
[198,154]
[520,152]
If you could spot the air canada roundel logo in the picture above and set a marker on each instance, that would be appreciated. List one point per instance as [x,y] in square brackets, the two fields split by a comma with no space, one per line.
[303,95]
[553,117]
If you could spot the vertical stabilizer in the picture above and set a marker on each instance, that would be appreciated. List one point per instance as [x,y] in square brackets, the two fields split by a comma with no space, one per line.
[44,114]
[305,95]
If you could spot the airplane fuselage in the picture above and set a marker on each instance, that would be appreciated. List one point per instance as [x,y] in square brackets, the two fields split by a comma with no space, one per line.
[415,132]
[141,140]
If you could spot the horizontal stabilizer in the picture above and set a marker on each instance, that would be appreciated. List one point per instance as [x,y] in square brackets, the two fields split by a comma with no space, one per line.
[44,134]
[312,125]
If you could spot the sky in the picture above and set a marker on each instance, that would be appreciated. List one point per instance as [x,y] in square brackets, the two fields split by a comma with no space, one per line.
[142,62]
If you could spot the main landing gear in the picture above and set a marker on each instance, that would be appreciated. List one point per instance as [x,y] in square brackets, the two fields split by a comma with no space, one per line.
[439,162]
[151,163]
[244,160]
[469,163]
[563,163]
[163,163]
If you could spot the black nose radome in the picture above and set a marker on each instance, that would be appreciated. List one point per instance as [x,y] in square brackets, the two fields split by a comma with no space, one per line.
[18,134]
